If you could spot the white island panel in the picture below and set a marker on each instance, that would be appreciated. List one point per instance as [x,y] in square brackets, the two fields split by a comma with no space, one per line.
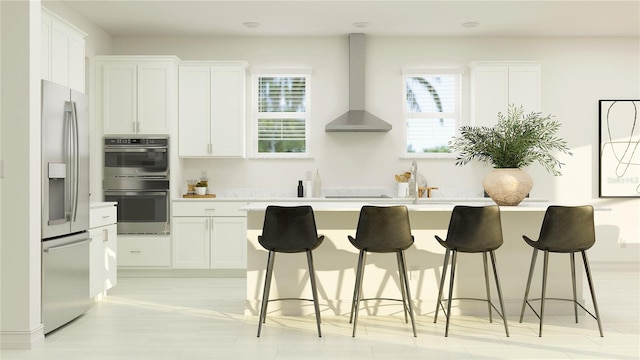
[335,261]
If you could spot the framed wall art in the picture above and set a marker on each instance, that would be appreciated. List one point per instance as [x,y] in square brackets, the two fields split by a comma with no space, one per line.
[619,165]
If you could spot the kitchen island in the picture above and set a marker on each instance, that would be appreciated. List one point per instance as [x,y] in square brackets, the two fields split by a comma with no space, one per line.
[335,261]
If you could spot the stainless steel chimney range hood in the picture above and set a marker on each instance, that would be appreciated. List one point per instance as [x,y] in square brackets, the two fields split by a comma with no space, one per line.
[357,119]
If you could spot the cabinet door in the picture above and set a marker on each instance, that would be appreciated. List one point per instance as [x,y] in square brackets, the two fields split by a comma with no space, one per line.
[96,261]
[194,111]
[155,97]
[495,87]
[229,243]
[489,94]
[228,110]
[110,257]
[45,46]
[59,54]
[76,63]
[524,87]
[144,251]
[190,237]
[119,98]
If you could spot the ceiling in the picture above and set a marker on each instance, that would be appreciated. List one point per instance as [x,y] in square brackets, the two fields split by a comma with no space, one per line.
[384,18]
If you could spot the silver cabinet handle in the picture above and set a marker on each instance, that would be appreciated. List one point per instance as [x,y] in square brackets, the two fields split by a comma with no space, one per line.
[135,251]
[105,238]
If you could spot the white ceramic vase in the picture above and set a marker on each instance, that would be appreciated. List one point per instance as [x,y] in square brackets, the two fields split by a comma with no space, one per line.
[507,187]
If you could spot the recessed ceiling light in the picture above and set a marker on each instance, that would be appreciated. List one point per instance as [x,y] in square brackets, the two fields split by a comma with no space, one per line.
[361,24]
[470,24]
[251,24]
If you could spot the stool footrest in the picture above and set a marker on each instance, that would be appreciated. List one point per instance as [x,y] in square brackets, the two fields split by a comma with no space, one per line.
[559,299]
[300,299]
[385,299]
[473,299]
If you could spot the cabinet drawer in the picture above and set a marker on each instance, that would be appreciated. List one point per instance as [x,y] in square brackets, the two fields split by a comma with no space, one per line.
[144,251]
[208,208]
[102,216]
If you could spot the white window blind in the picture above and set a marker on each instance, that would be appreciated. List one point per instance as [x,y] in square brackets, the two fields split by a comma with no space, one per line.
[281,114]
[432,110]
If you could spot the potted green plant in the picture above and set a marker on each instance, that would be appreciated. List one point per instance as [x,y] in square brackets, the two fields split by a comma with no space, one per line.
[516,141]
[201,187]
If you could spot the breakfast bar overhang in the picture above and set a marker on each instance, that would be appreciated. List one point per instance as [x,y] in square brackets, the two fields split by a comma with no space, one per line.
[335,262]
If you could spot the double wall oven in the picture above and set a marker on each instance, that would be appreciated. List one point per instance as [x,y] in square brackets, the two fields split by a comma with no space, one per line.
[136,176]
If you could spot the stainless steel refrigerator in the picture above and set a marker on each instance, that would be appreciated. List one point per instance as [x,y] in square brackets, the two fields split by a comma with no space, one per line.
[65,205]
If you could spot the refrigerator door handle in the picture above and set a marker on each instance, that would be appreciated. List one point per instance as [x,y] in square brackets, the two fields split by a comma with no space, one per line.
[66,246]
[76,159]
[68,124]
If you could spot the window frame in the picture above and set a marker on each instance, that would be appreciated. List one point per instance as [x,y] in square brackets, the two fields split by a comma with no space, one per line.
[256,74]
[456,114]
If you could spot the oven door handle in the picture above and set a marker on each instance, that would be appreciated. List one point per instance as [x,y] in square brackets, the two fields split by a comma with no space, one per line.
[137,192]
[135,150]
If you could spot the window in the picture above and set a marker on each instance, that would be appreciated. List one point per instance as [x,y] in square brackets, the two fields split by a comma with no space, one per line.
[281,114]
[431,110]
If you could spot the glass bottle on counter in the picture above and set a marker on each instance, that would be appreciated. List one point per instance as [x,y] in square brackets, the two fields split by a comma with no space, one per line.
[300,189]
[317,185]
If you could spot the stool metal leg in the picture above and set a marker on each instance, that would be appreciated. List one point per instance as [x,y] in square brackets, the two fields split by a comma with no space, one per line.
[486,282]
[526,292]
[592,290]
[363,254]
[453,272]
[495,274]
[442,279]
[401,277]
[403,274]
[357,285]
[573,282]
[544,289]
[314,289]
[265,294]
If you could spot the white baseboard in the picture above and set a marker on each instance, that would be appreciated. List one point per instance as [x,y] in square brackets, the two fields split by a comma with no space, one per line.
[22,340]
[182,273]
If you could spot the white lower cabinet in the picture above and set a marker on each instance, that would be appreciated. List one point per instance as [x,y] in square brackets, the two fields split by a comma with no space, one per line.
[209,235]
[144,251]
[103,272]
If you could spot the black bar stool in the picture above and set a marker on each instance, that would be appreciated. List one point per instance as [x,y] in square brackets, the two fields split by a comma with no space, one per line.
[565,229]
[382,229]
[472,229]
[289,230]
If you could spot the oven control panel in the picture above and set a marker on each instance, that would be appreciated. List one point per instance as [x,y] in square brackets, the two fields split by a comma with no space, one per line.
[163,142]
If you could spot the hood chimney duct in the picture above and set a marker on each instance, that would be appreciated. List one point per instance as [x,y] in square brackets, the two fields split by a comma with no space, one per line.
[357,119]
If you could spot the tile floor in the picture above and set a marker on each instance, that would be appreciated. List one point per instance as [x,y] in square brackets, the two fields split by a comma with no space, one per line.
[192,319]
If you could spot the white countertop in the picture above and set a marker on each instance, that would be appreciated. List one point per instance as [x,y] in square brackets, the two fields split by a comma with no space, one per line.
[433,204]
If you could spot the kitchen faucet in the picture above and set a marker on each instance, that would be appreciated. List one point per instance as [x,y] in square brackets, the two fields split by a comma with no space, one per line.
[414,176]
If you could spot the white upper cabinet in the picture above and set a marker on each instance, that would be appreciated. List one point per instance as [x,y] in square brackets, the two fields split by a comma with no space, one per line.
[212,109]
[63,52]
[496,85]
[139,94]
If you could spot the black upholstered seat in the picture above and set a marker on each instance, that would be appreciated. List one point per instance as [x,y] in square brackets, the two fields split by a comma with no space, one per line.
[472,229]
[289,230]
[565,229]
[382,229]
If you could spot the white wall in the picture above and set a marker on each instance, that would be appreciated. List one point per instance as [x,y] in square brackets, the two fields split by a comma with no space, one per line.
[20,319]
[20,322]
[576,73]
